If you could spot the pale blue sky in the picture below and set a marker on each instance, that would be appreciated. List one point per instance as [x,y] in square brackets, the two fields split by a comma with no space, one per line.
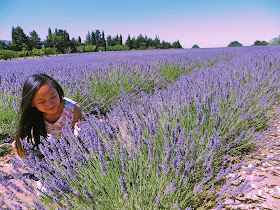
[208,23]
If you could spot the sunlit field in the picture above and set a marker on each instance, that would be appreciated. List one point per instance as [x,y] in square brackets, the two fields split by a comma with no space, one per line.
[160,127]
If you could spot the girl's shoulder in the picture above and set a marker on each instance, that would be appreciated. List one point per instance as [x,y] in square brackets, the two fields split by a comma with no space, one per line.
[69,101]
[73,107]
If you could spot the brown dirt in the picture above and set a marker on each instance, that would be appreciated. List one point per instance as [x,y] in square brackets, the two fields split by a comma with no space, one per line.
[6,166]
[263,182]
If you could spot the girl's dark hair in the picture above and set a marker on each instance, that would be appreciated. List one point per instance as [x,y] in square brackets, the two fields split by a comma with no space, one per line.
[31,119]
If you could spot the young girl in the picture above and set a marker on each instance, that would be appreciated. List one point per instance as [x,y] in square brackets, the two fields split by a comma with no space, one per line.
[44,110]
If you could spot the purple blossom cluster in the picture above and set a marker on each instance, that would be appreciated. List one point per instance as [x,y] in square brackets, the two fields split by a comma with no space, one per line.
[167,148]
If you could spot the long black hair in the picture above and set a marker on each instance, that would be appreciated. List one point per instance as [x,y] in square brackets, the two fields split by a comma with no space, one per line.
[31,119]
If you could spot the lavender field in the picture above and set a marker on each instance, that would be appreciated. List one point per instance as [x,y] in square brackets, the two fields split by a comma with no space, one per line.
[161,127]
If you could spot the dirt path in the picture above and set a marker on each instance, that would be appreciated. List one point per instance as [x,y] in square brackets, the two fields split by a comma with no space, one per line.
[7,168]
[263,181]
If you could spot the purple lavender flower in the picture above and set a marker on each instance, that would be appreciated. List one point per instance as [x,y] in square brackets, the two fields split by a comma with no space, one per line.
[87,194]
[170,188]
[123,184]
[157,199]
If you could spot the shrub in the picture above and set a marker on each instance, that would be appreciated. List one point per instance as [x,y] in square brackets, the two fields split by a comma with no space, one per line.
[37,52]
[90,48]
[7,54]
[235,44]
[22,54]
[49,51]
[117,47]
[195,46]
[81,48]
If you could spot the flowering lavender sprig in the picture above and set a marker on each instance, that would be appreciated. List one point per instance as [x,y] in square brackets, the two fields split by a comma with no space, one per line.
[123,184]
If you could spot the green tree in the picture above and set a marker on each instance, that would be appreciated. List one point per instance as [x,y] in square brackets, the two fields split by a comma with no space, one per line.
[120,40]
[2,45]
[115,40]
[275,41]
[258,43]
[235,44]
[150,43]
[19,38]
[93,39]
[141,42]
[129,42]
[195,46]
[176,45]
[103,41]
[35,40]
[79,40]
[48,43]
[88,39]
[157,43]
[59,39]
[97,38]
[109,40]
[165,45]
[133,43]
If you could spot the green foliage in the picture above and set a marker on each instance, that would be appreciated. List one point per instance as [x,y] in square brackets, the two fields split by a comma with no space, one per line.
[90,48]
[37,52]
[151,48]
[275,41]
[176,45]
[49,51]
[59,40]
[100,49]
[2,45]
[235,44]
[129,43]
[117,48]
[19,39]
[104,92]
[9,117]
[258,43]
[81,48]
[22,54]
[195,46]
[7,54]
[142,48]
[6,148]
[165,45]
[35,40]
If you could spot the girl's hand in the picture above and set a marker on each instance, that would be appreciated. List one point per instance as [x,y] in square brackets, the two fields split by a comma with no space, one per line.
[77,129]
[14,145]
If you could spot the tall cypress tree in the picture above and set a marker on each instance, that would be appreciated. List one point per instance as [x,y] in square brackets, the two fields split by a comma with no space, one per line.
[93,40]
[120,40]
[129,43]
[109,40]
[35,40]
[103,41]
[88,39]
[97,38]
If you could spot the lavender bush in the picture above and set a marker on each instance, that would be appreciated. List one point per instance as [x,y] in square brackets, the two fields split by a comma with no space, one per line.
[99,78]
[166,149]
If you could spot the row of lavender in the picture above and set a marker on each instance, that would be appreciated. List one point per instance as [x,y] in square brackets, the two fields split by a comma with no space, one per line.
[169,149]
[97,79]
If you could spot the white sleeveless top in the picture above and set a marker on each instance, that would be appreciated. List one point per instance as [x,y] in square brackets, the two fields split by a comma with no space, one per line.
[66,117]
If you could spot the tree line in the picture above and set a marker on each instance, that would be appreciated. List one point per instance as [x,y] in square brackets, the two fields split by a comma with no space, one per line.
[59,42]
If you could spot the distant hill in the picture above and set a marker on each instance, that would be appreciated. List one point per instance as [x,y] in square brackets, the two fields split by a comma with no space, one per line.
[6,42]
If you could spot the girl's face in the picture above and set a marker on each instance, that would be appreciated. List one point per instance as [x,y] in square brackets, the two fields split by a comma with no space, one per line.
[46,99]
